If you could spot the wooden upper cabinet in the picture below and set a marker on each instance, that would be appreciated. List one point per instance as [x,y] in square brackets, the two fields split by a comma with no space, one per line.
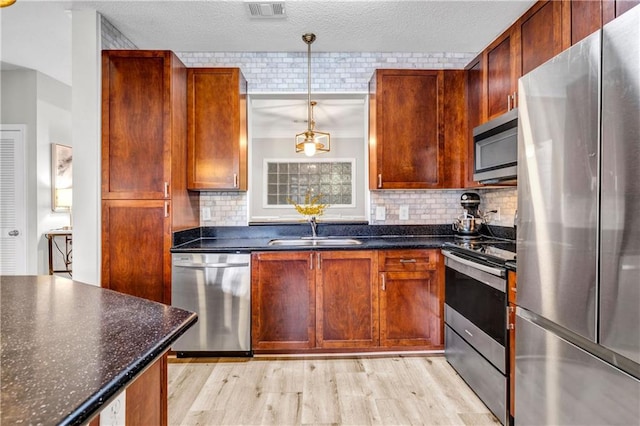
[611,9]
[540,35]
[282,300]
[217,129]
[501,77]
[406,129]
[475,112]
[141,122]
[579,19]
[346,299]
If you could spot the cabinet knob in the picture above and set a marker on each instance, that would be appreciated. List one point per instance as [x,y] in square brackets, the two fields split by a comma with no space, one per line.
[14,233]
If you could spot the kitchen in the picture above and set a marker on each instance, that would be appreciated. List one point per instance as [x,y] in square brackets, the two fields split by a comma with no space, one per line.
[453,202]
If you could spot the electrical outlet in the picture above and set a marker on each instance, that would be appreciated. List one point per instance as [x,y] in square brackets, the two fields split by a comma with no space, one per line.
[114,413]
[381,213]
[205,213]
[404,212]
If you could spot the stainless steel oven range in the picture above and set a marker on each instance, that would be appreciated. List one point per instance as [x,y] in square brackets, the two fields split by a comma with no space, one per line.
[476,335]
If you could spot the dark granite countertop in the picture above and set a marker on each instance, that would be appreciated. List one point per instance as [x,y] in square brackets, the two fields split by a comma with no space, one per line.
[68,348]
[208,245]
[373,237]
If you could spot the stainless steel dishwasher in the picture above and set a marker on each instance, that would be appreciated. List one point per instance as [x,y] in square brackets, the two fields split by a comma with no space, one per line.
[217,286]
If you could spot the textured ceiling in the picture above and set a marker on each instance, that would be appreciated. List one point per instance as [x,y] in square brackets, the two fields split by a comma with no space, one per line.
[37,34]
[344,26]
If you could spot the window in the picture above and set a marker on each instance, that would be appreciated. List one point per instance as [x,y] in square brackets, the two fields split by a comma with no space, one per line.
[277,173]
[288,182]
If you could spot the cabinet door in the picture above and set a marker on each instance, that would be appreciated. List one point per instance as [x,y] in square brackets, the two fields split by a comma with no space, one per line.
[540,35]
[347,299]
[136,124]
[406,144]
[501,78]
[282,301]
[611,9]
[217,129]
[409,310]
[579,19]
[475,112]
[136,240]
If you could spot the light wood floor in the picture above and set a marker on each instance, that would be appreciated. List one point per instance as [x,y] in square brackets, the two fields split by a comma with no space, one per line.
[390,390]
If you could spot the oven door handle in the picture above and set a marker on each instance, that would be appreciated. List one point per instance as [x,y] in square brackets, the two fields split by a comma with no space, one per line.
[488,269]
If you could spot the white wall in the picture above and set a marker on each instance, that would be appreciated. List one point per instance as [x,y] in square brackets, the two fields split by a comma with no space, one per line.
[86,151]
[43,105]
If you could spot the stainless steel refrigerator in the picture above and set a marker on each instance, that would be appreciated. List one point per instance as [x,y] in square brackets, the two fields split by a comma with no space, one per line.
[578,243]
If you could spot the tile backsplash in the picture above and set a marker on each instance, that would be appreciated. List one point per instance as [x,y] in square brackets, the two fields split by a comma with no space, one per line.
[332,71]
[430,207]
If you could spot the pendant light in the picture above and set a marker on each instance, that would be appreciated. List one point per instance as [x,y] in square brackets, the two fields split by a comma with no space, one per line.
[5,3]
[311,141]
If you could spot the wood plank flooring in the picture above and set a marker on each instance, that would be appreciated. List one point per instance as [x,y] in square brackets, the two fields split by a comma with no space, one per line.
[362,390]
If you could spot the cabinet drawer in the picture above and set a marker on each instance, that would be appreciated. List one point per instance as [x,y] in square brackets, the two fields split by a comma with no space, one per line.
[407,260]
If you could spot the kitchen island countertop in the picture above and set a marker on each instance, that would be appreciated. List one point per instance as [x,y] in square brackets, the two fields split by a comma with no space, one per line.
[68,347]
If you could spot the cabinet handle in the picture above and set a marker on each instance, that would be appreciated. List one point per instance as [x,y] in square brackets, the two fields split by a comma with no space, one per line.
[510,324]
[319,261]
[311,261]
[384,282]
[514,100]
[407,261]
[379,180]
[508,102]
[166,190]
[235,180]
[166,209]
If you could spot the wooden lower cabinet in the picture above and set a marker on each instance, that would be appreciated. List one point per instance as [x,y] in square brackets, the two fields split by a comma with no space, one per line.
[146,398]
[136,243]
[282,301]
[306,301]
[511,324]
[347,299]
[409,310]
[411,299]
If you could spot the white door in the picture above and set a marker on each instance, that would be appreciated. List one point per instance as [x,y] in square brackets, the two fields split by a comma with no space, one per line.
[13,210]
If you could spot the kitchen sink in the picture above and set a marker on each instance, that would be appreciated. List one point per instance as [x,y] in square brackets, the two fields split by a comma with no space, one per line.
[306,242]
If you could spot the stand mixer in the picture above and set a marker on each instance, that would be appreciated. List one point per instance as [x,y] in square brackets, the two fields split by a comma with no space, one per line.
[468,224]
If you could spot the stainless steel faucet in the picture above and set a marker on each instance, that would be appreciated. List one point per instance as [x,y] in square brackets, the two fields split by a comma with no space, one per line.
[314,226]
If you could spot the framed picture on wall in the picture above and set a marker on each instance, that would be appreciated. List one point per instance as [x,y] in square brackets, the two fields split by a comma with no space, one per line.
[61,177]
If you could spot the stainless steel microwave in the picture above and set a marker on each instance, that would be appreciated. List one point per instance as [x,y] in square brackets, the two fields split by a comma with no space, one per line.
[496,149]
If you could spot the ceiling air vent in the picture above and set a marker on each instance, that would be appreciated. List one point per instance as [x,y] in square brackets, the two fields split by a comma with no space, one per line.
[266,9]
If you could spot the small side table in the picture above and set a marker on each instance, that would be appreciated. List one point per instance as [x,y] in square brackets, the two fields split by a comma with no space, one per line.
[67,253]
